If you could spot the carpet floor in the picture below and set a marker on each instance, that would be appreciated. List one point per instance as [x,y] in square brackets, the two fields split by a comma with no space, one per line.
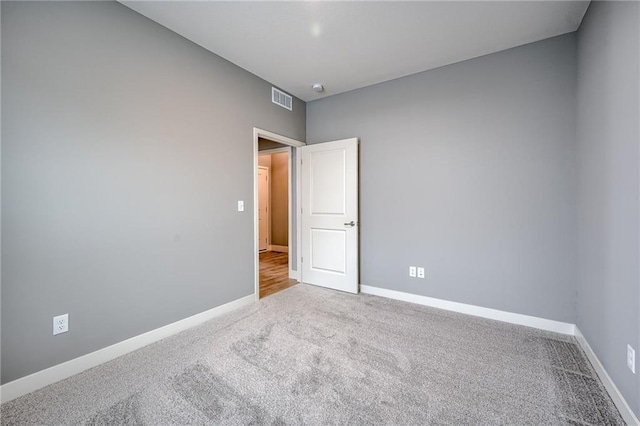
[308,355]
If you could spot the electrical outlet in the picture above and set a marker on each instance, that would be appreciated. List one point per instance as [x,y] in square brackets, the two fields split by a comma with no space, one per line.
[240,206]
[420,272]
[631,359]
[412,271]
[60,324]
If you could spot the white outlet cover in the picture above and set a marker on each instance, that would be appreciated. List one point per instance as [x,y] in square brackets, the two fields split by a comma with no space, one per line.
[631,359]
[60,324]
[420,272]
[412,271]
[240,206]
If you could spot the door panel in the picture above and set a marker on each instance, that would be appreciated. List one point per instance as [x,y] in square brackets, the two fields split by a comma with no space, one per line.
[327,174]
[329,228]
[328,260]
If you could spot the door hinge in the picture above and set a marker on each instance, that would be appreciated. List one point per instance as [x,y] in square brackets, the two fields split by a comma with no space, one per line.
[301,259]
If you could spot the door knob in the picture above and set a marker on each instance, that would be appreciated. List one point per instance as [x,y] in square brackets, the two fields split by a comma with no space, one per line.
[352,223]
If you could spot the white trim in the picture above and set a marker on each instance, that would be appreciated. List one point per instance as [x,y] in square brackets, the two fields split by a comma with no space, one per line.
[43,378]
[279,249]
[479,311]
[297,274]
[526,320]
[256,230]
[293,144]
[290,235]
[625,411]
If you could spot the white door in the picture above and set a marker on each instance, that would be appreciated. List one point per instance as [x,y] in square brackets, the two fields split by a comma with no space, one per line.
[263,208]
[329,219]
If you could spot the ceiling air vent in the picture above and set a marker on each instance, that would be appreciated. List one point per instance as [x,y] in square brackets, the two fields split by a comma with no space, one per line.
[281,98]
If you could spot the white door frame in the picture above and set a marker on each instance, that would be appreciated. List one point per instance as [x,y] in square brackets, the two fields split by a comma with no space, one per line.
[293,144]
[268,170]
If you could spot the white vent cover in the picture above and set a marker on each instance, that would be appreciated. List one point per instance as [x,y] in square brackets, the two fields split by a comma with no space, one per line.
[281,98]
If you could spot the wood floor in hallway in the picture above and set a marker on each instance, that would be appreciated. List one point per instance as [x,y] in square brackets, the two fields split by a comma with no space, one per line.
[274,273]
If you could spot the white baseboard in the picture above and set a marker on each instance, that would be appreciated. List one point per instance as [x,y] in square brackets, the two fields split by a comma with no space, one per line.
[294,275]
[279,249]
[530,321]
[478,311]
[616,396]
[43,378]
[67,369]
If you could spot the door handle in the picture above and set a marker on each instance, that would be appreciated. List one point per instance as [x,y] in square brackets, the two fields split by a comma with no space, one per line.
[352,223]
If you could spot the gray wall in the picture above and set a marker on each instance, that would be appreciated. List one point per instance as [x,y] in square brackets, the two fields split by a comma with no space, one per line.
[468,170]
[125,149]
[608,310]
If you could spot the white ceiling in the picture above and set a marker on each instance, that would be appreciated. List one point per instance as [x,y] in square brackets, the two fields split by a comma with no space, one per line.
[348,45]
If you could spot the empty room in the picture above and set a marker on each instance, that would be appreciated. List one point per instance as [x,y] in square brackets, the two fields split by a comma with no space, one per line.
[346,213]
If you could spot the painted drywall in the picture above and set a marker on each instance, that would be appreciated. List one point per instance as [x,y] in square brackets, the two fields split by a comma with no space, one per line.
[280,199]
[125,150]
[608,94]
[278,165]
[468,170]
[264,160]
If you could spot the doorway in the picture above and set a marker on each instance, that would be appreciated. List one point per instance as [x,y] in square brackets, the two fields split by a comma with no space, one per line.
[273,217]
[275,194]
[330,203]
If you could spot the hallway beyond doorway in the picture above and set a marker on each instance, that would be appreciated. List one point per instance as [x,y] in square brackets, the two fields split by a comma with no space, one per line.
[274,273]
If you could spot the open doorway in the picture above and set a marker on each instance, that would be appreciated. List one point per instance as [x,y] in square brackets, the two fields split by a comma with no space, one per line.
[273,217]
[276,233]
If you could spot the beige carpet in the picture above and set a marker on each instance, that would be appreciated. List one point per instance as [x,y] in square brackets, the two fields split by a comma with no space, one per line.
[313,356]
